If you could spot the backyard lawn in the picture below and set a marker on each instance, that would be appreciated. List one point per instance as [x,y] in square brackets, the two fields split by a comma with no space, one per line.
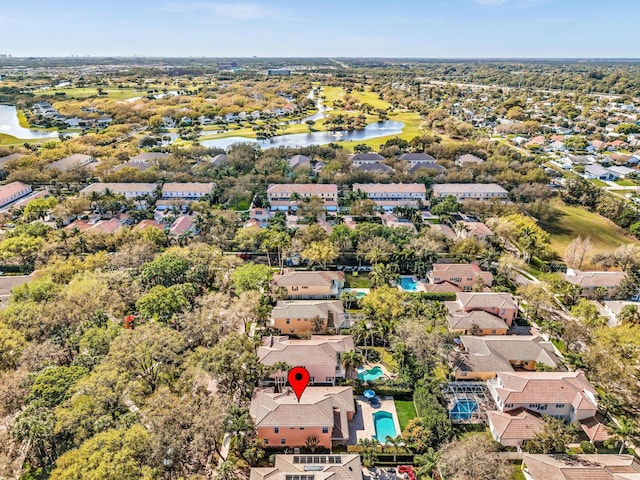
[572,221]
[406,410]
[626,182]
[357,281]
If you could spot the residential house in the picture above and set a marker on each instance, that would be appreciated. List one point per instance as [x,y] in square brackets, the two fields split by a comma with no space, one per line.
[320,355]
[365,158]
[622,171]
[13,191]
[481,358]
[516,427]
[76,160]
[182,225]
[280,195]
[419,161]
[390,195]
[613,308]
[565,395]
[298,161]
[302,317]
[469,191]
[186,191]
[464,276]
[392,221]
[468,159]
[309,284]
[580,467]
[283,421]
[473,322]
[474,230]
[599,145]
[219,160]
[129,190]
[499,304]
[598,172]
[345,466]
[591,282]
[260,216]
[149,157]
[377,168]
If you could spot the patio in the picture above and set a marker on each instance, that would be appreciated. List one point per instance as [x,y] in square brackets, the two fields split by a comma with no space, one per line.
[362,425]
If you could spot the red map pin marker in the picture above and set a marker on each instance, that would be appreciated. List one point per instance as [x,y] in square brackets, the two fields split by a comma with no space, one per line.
[298,379]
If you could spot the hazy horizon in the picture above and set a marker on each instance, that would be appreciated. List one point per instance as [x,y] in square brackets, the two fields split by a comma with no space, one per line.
[433,29]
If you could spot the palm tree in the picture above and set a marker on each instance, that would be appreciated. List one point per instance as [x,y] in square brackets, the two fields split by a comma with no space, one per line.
[629,314]
[351,360]
[624,430]
[395,442]
[278,369]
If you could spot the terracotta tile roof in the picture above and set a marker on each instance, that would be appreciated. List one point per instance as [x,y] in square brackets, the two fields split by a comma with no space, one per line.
[446,271]
[442,287]
[342,467]
[309,188]
[182,224]
[319,350]
[581,467]
[546,387]
[188,187]
[494,353]
[120,187]
[307,309]
[293,278]
[11,189]
[13,156]
[519,424]
[595,430]
[459,188]
[315,409]
[463,320]
[471,300]
[596,279]
[478,229]
[390,187]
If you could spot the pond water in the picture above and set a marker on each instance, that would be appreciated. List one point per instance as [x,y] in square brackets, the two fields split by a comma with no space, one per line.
[9,125]
[373,130]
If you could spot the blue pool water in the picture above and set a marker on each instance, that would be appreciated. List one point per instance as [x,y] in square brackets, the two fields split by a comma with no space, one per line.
[368,375]
[408,284]
[463,409]
[383,421]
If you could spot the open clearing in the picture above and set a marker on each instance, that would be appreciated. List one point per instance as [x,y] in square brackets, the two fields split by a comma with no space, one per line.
[573,221]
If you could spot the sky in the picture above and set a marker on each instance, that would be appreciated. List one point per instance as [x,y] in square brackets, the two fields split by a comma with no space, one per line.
[322,28]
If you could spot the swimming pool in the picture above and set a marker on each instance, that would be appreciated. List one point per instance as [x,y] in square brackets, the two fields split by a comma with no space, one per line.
[408,284]
[463,409]
[383,422]
[369,375]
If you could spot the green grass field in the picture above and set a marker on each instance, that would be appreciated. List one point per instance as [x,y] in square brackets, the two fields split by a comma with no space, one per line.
[357,281]
[84,92]
[573,221]
[599,183]
[625,182]
[406,411]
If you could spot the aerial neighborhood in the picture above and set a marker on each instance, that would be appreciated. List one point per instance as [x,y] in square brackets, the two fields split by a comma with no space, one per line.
[455,265]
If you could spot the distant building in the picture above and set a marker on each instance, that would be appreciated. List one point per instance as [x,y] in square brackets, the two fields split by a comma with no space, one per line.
[227,66]
[278,72]
[390,195]
[591,281]
[76,160]
[470,191]
[468,159]
[186,191]
[13,191]
[129,190]
[280,194]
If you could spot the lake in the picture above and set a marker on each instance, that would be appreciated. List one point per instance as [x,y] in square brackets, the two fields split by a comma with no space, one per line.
[9,124]
[373,130]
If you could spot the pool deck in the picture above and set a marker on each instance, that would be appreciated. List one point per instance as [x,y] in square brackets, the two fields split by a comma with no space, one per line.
[362,425]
